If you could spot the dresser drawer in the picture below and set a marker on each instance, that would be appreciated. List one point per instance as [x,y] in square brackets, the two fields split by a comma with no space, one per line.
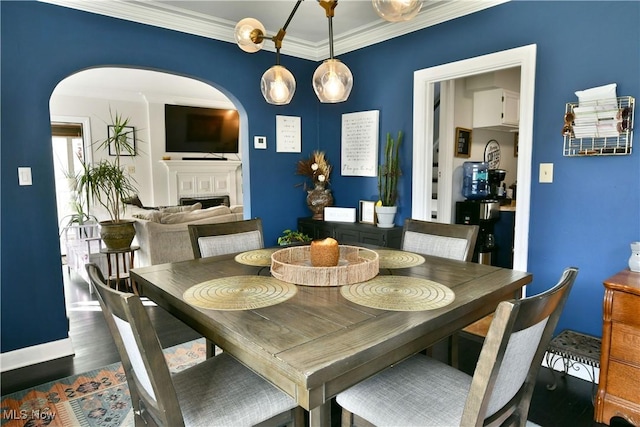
[625,344]
[626,308]
[623,381]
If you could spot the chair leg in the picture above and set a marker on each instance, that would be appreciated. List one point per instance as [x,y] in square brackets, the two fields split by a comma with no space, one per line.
[454,350]
[299,416]
[211,349]
[347,418]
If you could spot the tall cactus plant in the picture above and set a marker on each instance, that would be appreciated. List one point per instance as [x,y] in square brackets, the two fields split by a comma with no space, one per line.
[389,172]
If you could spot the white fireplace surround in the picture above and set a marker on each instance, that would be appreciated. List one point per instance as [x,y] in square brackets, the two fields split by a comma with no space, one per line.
[204,178]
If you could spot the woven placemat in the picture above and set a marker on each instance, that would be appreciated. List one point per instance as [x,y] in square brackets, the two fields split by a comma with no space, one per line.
[393,258]
[239,293]
[399,293]
[258,257]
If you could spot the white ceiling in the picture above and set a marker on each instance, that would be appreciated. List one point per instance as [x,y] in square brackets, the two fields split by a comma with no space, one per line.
[355,24]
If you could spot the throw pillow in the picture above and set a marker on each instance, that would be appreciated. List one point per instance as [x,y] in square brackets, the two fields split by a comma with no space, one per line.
[133,200]
[180,217]
[153,216]
[185,208]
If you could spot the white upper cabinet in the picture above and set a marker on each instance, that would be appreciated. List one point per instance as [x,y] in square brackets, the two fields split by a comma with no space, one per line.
[497,109]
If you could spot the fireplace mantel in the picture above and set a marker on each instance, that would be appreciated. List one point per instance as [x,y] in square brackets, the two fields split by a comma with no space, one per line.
[204,178]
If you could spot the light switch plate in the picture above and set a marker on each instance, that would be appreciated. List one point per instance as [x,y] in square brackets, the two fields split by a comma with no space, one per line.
[24,176]
[260,142]
[546,173]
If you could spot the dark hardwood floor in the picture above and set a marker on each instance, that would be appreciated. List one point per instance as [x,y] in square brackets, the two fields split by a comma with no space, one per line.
[568,405]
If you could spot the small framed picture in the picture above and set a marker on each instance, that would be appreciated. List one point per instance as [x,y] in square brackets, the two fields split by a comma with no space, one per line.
[129,133]
[463,143]
[367,212]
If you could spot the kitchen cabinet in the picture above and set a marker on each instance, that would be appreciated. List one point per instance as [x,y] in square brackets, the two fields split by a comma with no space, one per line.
[497,109]
[619,384]
[351,233]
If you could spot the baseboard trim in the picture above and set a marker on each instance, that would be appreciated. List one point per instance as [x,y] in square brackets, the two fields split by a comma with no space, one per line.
[36,354]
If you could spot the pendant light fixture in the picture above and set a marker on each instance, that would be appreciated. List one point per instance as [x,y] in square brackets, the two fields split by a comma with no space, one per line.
[332,80]
[397,10]
[277,83]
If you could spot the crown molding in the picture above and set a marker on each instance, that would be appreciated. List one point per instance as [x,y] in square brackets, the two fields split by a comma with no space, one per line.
[164,16]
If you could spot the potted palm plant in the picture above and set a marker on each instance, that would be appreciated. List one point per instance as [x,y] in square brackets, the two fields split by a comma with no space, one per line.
[388,174]
[79,200]
[108,184]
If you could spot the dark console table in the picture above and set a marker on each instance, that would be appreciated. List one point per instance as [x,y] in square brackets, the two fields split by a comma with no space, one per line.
[351,233]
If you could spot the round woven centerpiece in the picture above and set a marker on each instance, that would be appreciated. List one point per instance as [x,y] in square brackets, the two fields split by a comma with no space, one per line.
[355,265]
[258,257]
[239,293]
[393,258]
[399,293]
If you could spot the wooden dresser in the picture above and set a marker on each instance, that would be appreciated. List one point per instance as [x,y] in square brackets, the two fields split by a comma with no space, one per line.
[619,386]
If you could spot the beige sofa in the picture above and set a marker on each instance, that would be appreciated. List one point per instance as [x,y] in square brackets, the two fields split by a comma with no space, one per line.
[163,235]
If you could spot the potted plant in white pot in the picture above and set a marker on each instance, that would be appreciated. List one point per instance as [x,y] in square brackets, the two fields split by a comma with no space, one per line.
[108,184]
[388,174]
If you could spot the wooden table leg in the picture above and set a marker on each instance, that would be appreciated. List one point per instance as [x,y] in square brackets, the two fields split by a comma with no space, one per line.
[132,282]
[320,416]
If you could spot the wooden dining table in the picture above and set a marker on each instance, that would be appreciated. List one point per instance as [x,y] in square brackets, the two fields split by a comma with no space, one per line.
[318,343]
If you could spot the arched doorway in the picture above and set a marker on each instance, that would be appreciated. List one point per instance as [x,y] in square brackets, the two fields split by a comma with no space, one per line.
[88,97]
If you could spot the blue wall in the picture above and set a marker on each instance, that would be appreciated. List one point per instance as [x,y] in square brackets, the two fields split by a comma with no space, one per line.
[591,212]
[586,218]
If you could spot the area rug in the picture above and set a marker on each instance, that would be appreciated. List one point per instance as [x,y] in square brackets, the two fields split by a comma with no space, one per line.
[98,398]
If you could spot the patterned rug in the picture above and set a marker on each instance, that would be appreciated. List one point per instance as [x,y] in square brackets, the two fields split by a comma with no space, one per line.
[98,398]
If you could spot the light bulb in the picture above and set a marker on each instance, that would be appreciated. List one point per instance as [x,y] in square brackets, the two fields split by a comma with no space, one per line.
[245,32]
[278,91]
[278,85]
[397,10]
[333,87]
[332,81]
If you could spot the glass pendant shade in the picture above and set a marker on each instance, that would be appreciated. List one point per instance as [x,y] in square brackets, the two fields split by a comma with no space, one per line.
[243,33]
[332,81]
[397,10]
[278,85]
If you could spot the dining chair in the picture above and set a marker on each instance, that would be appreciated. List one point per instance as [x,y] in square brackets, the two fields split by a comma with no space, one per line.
[218,391]
[226,237]
[421,391]
[454,241]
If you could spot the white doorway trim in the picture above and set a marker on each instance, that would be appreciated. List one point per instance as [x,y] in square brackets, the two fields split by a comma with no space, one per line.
[86,132]
[423,116]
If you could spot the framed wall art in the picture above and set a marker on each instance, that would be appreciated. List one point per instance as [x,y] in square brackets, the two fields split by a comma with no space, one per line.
[367,212]
[130,133]
[463,143]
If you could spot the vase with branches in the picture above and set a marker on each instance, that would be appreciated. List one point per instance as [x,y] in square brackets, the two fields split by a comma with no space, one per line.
[317,169]
[388,174]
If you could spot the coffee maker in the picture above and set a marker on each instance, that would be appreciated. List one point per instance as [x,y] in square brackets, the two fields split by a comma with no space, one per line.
[481,207]
[496,188]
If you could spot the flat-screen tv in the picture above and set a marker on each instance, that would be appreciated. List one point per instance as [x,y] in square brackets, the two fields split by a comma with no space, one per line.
[200,130]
